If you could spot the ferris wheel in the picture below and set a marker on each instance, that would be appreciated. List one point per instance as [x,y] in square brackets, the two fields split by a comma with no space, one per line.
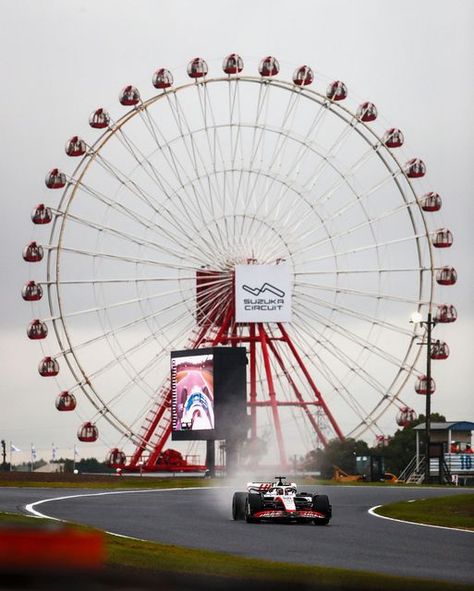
[214,172]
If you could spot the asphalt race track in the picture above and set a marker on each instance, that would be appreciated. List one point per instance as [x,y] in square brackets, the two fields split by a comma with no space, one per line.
[201,518]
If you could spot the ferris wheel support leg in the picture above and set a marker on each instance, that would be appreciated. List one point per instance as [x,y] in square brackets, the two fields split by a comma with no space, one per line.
[155,419]
[221,336]
[253,384]
[317,393]
[159,447]
[298,395]
[271,392]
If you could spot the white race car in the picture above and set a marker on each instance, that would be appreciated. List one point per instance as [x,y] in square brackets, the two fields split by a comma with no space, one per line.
[280,501]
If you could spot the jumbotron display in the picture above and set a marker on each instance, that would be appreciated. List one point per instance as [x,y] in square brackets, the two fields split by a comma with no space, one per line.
[208,393]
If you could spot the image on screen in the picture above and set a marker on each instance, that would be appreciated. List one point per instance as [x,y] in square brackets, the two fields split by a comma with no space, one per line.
[193,392]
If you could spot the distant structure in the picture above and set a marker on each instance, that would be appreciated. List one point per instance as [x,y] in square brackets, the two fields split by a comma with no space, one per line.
[451,455]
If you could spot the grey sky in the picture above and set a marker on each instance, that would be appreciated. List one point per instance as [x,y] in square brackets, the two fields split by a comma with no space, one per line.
[63,59]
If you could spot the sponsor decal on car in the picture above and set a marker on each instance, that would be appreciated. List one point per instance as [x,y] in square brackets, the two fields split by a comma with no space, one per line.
[275,514]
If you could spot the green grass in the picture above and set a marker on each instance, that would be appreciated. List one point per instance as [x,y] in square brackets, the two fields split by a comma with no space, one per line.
[451,511]
[153,557]
[107,482]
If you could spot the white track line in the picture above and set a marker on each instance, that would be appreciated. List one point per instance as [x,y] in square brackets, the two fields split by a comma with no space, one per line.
[373,509]
[31,507]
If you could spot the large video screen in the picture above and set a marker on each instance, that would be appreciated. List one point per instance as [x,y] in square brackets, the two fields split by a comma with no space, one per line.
[192,381]
[208,393]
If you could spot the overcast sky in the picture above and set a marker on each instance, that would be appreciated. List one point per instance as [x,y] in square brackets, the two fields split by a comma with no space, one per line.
[61,59]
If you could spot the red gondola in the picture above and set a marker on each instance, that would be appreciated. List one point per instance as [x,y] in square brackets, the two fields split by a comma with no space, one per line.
[32,291]
[422,386]
[116,458]
[439,350]
[393,138]
[442,238]
[381,440]
[303,76]
[405,416]
[446,276]
[129,96]
[367,112]
[37,330]
[162,79]
[446,313]
[431,202]
[197,68]
[336,91]
[48,367]
[41,214]
[99,119]
[415,168]
[33,252]
[75,146]
[233,64]
[88,432]
[268,66]
[55,179]
[65,401]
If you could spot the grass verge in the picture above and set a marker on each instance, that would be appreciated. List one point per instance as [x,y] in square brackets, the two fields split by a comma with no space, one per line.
[151,557]
[451,511]
[100,481]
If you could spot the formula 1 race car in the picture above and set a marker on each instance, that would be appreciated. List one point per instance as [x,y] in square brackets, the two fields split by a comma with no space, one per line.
[280,501]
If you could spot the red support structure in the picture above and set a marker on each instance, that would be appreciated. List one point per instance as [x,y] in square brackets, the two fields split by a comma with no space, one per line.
[317,393]
[253,384]
[269,349]
[271,393]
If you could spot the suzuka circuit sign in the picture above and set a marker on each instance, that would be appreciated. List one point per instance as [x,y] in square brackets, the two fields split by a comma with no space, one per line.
[263,293]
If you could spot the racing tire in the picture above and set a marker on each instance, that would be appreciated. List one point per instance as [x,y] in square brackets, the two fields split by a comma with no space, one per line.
[321,505]
[238,506]
[253,504]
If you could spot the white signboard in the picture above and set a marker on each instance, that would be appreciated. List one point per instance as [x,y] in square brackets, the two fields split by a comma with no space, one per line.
[263,293]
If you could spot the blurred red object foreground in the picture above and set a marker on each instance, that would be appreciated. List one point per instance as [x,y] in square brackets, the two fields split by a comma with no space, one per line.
[46,547]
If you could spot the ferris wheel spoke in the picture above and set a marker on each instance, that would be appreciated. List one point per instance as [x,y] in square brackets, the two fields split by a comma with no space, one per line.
[363,344]
[351,365]
[391,176]
[128,212]
[326,371]
[358,292]
[61,282]
[179,171]
[117,257]
[367,271]
[123,327]
[133,349]
[369,222]
[323,368]
[375,245]
[138,378]
[306,145]
[353,313]
[211,193]
[158,208]
[154,245]
[111,306]
[257,139]
[277,153]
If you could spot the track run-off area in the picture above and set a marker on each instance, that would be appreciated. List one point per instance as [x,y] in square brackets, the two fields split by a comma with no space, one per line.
[201,518]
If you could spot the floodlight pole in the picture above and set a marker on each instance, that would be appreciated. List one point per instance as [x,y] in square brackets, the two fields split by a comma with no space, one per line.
[429,325]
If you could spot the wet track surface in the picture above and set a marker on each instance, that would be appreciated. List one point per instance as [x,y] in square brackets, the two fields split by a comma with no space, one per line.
[201,518]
